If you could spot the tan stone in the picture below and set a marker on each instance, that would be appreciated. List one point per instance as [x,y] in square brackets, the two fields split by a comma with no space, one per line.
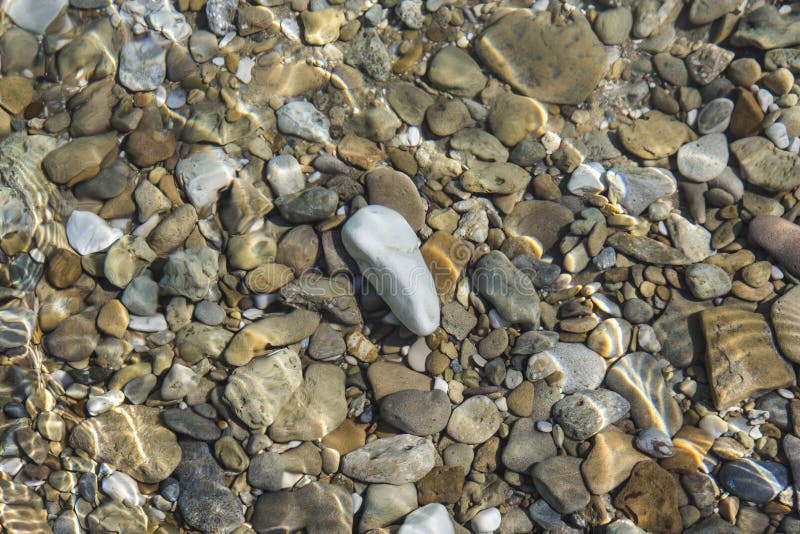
[446,257]
[113,319]
[610,461]
[650,498]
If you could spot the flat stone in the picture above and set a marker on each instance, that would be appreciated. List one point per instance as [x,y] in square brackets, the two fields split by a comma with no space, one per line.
[322,27]
[495,178]
[393,189]
[526,446]
[396,460]
[421,413]
[142,63]
[635,188]
[115,437]
[266,471]
[197,341]
[37,18]
[301,118]
[74,339]
[651,497]
[647,249]
[785,315]
[113,516]
[758,481]
[87,233]
[707,281]
[444,484]
[309,205]
[396,269]
[655,135]
[556,63]
[678,330]
[558,480]
[430,518]
[453,70]
[778,237]
[173,230]
[766,28]
[408,101]
[387,378]
[316,507]
[706,11]
[204,174]
[446,258]
[740,357]
[581,368]
[715,116]
[512,117]
[474,421]
[764,165]
[585,413]
[707,62]
[191,424]
[480,144]
[315,409]
[384,504]
[610,461]
[705,158]
[259,390]
[507,288]
[637,377]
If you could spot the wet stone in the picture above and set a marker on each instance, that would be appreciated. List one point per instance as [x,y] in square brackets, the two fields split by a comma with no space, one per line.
[421,413]
[585,413]
[558,480]
[754,480]
[396,460]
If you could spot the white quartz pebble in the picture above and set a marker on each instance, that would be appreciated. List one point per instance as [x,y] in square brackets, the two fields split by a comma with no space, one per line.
[487,520]
[588,179]
[430,519]
[106,401]
[123,488]
[88,233]
[204,174]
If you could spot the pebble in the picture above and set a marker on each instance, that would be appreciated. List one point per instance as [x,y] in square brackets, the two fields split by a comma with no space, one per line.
[588,179]
[285,175]
[429,518]
[204,174]
[384,504]
[474,421]
[610,461]
[655,443]
[395,190]
[707,281]
[123,488]
[316,507]
[507,288]
[705,158]
[397,269]
[764,165]
[35,19]
[651,496]
[754,480]
[784,314]
[777,237]
[191,424]
[87,233]
[103,403]
[190,273]
[585,413]
[395,460]
[421,413]
[487,520]
[527,445]
[266,471]
[715,116]
[635,188]
[453,70]
[580,367]
[142,63]
[558,480]
[302,119]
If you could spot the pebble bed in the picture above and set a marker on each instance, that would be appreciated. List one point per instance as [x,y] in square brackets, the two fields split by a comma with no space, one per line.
[414,267]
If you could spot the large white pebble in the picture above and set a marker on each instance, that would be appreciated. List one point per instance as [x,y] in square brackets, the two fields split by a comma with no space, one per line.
[588,179]
[430,519]
[88,233]
[386,250]
[123,488]
[487,520]
[106,401]
[704,159]
[204,174]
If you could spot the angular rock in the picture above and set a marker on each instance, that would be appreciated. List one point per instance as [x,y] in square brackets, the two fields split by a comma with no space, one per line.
[143,64]
[651,498]
[785,315]
[558,480]
[585,413]
[635,188]
[764,165]
[610,461]
[190,273]
[316,507]
[274,330]
[580,367]
[507,288]
[396,460]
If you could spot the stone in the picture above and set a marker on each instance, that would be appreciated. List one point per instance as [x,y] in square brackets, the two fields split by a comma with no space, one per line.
[507,288]
[512,117]
[191,424]
[585,413]
[778,237]
[315,409]
[268,278]
[480,144]
[266,471]
[87,233]
[220,15]
[197,341]
[114,437]
[248,251]
[655,135]
[544,221]
[446,258]
[74,339]
[147,146]
[16,92]
[715,117]
[637,377]
[387,378]
[558,480]
[526,446]
[766,28]
[274,330]
[298,249]
[322,27]
[203,488]
[707,62]
[114,516]
[396,269]
[635,188]
[555,63]
[113,319]
[614,25]
[495,178]
[705,158]
[257,391]
[302,119]
[284,175]
[610,461]
[758,481]
[63,268]
[444,484]
[648,250]
[395,460]
[766,166]
[487,520]
[446,117]
[474,421]
[785,315]
[385,503]
[190,273]
[651,498]
[408,101]
[126,259]
[36,18]
[587,179]
[173,230]
[741,359]
[316,507]
[706,11]
[395,190]
[580,367]
[678,330]
[421,413]
[453,70]
[178,382]
[204,174]
[430,518]
[309,205]
[142,63]
[707,281]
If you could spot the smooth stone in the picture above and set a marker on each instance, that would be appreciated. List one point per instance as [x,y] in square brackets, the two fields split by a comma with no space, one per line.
[540,59]
[754,480]
[610,461]
[396,269]
[79,159]
[585,413]
[123,488]
[395,460]
[507,288]
[190,273]
[558,480]
[114,437]
[635,188]
[147,146]
[284,175]
[706,11]
[651,496]
[715,117]
[764,165]
[113,516]
[446,258]
[257,392]
[309,205]
[785,315]
[209,313]
[707,281]
[408,101]
[173,230]
[103,403]
[429,518]
[655,136]
[302,119]
[611,338]
[204,488]
[766,28]
[453,70]
[474,421]
[655,443]
[705,158]
[581,368]
[677,329]
[480,144]
[142,63]
[204,174]
[421,413]
[395,190]
[487,520]
[248,251]
[141,296]
[648,250]
[197,341]
[513,117]
[385,503]
[73,340]
[315,409]
[779,238]
[178,382]
[637,377]
[191,424]
[587,180]
[526,446]
[741,359]
[614,25]
[220,15]
[126,259]
[88,233]
[316,507]
[266,471]
[387,378]
[35,18]
[274,330]
[501,178]
[544,221]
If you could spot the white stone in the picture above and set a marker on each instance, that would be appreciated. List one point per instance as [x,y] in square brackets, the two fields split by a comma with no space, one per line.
[106,401]
[418,354]
[151,323]
[34,15]
[487,520]
[11,466]
[430,519]
[588,179]
[635,188]
[159,15]
[123,488]
[776,132]
[440,383]
[395,460]
[302,119]
[387,252]
[691,239]
[143,63]
[580,366]
[705,158]
[474,421]
[647,339]
[204,174]
[765,99]
[285,175]
[88,233]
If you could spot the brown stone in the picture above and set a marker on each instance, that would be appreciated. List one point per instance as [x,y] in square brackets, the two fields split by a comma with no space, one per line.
[650,498]
[113,319]
[779,238]
[395,190]
[520,400]
[347,437]
[388,377]
[148,146]
[655,135]
[63,268]
[359,151]
[747,115]
[446,257]
[544,221]
[173,230]
[268,278]
[691,445]
[610,461]
[443,484]
[298,249]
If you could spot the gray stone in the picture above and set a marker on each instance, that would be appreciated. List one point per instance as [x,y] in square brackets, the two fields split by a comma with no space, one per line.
[396,460]
[266,471]
[507,288]
[421,413]
[143,63]
[190,273]
[384,504]
[705,158]
[316,507]
[302,119]
[580,366]
[635,188]
[707,281]
[141,295]
[475,420]
[558,480]
[526,446]
[585,413]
